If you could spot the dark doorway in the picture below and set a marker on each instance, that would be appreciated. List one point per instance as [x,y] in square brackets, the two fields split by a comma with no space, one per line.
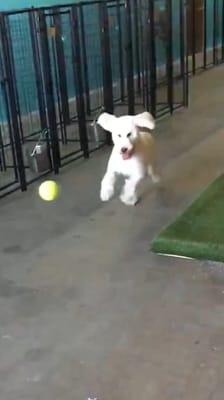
[195,22]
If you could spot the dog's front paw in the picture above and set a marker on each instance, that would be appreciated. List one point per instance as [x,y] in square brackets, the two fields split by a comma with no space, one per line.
[129,200]
[106,193]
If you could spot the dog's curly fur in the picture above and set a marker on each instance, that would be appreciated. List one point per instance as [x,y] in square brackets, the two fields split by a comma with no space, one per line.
[133,154]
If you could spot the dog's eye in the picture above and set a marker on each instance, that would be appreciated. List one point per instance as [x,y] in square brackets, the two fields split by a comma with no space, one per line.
[119,135]
[129,134]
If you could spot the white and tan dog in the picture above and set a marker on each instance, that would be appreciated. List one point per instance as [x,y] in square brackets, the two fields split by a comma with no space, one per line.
[133,154]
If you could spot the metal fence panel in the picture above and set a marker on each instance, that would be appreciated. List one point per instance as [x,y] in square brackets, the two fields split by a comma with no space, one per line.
[60,66]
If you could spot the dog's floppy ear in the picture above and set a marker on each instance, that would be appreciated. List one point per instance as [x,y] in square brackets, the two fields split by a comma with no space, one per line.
[144,120]
[107,121]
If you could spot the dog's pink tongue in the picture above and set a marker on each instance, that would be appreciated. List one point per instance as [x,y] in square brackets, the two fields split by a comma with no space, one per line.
[127,155]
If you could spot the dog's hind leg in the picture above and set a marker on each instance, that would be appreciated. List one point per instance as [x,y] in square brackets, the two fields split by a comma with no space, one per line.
[152,172]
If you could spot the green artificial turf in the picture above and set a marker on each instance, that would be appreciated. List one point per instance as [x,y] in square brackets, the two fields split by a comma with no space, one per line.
[199,231]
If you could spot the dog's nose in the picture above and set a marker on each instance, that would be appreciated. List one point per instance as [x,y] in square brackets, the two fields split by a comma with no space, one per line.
[124,150]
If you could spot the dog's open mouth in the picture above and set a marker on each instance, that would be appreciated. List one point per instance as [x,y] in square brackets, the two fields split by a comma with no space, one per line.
[127,155]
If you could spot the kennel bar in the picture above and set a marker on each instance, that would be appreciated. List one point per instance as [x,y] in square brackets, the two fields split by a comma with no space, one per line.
[12,62]
[68,92]
[3,80]
[121,64]
[85,61]
[129,58]
[106,58]
[38,72]
[62,134]
[223,31]
[143,56]
[193,37]
[152,58]
[12,97]
[215,31]
[77,71]
[205,35]
[60,58]
[183,52]
[137,44]
[169,55]
[2,154]
[108,97]
[51,112]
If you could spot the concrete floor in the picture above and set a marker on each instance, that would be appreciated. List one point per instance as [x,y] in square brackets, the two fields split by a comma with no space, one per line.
[85,309]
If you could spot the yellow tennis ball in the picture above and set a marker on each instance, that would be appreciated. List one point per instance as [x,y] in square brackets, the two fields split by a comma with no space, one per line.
[49,190]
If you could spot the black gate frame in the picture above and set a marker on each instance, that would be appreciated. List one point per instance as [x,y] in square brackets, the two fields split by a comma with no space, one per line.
[137,81]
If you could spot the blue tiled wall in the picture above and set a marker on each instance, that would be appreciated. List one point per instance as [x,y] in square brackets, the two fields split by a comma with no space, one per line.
[19,4]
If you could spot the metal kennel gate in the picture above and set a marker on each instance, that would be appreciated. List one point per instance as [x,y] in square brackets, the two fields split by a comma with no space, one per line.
[60,66]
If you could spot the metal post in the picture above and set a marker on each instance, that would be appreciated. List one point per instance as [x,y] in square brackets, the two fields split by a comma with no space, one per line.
[205,34]
[13,71]
[129,59]
[2,153]
[222,30]
[84,58]
[152,59]
[182,44]
[77,70]
[61,122]
[120,50]
[48,83]
[193,36]
[106,62]
[106,58]
[137,52]
[37,69]
[60,54]
[3,80]
[184,52]
[144,34]
[215,61]
[11,96]
[169,55]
